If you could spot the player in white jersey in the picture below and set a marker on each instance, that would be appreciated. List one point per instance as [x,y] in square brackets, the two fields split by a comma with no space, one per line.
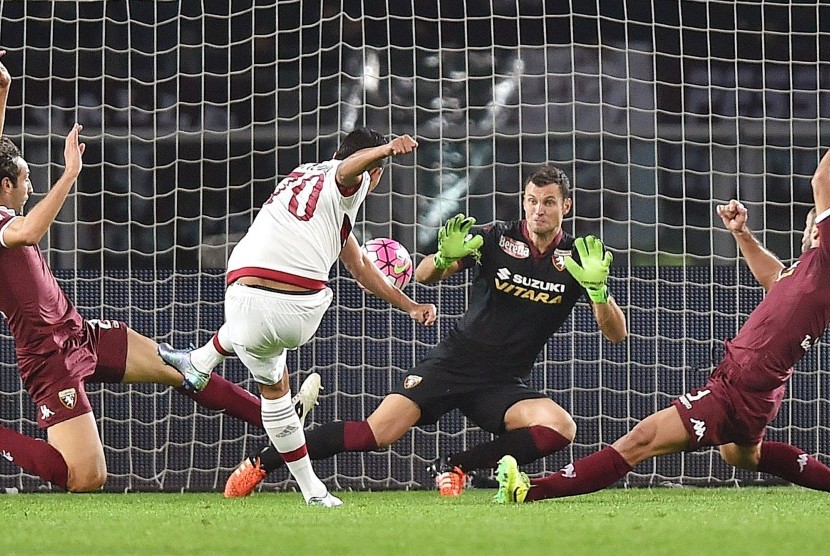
[277,284]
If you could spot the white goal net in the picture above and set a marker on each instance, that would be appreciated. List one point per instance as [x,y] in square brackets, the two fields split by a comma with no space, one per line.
[192,111]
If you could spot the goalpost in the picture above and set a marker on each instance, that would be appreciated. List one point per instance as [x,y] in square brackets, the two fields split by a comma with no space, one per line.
[192,111]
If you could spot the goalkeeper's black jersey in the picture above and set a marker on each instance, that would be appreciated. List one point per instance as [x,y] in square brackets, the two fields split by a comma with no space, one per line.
[518,299]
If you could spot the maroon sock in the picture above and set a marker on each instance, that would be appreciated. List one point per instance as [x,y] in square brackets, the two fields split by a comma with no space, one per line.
[792,464]
[595,472]
[221,394]
[34,456]
[526,445]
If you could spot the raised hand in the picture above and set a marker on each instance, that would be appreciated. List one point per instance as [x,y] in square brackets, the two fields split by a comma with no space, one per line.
[734,215]
[402,145]
[593,271]
[455,241]
[73,151]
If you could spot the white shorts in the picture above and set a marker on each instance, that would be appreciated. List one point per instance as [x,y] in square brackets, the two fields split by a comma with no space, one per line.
[263,324]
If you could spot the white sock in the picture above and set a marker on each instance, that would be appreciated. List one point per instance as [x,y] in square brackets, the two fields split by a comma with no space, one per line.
[283,426]
[207,357]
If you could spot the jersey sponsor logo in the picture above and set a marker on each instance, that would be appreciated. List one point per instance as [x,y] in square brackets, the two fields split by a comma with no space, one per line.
[412,381]
[687,399]
[558,258]
[68,398]
[699,426]
[787,271]
[802,462]
[514,248]
[808,342]
[532,289]
[45,412]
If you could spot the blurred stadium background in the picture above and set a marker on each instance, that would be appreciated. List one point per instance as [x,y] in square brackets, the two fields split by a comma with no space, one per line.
[193,110]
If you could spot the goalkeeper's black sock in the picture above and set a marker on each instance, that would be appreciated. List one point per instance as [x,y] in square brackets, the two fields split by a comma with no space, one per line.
[323,442]
[526,445]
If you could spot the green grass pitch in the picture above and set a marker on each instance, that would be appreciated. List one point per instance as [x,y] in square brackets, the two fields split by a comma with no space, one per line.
[756,520]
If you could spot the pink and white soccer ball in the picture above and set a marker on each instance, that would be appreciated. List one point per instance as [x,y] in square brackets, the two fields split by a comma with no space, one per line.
[391,258]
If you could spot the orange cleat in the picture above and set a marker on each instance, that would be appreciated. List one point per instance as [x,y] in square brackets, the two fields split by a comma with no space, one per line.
[244,479]
[449,479]
[451,483]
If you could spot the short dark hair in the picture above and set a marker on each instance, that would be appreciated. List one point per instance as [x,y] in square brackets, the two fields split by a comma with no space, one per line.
[359,139]
[8,165]
[550,174]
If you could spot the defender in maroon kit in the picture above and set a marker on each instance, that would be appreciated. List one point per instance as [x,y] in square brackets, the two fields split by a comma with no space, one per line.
[58,351]
[744,393]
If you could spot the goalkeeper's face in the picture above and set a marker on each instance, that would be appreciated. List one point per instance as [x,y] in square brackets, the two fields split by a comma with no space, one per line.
[545,208]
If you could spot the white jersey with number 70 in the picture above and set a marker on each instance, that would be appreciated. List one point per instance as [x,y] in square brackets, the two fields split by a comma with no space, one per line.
[301,228]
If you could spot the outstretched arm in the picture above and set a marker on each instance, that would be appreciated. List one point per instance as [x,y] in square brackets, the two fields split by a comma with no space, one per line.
[375,282]
[5,84]
[30,229]
[352,167]
[455,242]
[821,184]
[764,265]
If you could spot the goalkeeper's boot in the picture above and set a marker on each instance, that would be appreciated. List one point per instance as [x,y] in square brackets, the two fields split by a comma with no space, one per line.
[513,484]
[306,397]
[244,479]
[327,501]
[449,479]
[194,379]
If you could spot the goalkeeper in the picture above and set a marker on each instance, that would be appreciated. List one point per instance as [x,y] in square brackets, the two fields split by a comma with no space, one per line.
[527,277]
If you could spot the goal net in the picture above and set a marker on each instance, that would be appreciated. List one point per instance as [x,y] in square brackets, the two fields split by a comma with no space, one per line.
[192,111]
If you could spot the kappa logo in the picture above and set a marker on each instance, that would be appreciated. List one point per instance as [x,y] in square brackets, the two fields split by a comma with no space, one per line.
[7,455]
[569,472]
[45,412]
[802,462]
[68,398]
[700,428]
[412,381]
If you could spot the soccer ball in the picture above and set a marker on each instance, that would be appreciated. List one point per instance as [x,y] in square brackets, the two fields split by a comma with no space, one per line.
[391,258]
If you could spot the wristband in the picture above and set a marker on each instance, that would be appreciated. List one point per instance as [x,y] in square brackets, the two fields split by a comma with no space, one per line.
[599,295]
[440,262]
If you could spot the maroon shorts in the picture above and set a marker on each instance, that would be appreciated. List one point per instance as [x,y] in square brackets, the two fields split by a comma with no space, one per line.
[56,382]
[724,411]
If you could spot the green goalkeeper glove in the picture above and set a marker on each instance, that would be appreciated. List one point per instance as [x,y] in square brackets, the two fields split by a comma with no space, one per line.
[593,272]
[455,241]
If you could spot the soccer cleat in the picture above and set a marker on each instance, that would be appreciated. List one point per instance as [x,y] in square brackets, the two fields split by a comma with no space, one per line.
[327,501]
[244,479]
[513,484]
[449,480]
[306,397]
[194,379]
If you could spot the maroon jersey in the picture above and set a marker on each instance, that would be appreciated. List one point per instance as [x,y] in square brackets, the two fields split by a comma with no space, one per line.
[791,318]
[40,316]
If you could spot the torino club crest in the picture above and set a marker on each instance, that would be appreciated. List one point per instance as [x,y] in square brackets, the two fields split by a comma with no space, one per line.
[68,397]
[558,258]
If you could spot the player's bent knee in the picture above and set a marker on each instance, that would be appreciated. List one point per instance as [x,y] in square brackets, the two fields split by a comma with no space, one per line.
[86,481]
